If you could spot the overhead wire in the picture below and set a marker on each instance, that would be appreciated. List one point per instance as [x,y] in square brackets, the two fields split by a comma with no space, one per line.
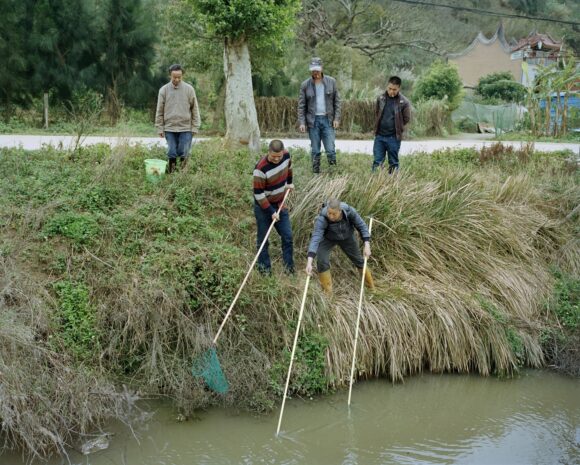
[488,12]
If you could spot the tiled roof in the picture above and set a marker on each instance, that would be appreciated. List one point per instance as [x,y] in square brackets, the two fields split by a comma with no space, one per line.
[533,41]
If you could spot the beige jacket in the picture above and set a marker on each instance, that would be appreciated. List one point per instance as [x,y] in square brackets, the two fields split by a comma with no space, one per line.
[177,109]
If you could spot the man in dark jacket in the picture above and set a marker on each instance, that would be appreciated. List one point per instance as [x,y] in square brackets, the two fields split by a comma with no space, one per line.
[335,225]
[319,109]
[393,113]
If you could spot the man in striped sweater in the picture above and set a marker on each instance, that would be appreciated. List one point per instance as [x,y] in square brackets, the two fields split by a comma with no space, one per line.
[272,178]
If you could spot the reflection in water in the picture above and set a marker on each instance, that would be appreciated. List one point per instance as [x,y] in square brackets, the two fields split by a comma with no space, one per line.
[448,419]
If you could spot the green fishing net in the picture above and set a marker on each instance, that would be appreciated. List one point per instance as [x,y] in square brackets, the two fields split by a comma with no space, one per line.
[208,367]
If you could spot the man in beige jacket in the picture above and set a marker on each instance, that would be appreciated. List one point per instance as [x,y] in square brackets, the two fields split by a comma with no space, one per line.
[177,118]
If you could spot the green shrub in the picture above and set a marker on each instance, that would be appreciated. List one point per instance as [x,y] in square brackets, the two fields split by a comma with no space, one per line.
[308,373]
[500,86]
[75,319]
[567,300]
[440,81]
[101,198]
[81,228]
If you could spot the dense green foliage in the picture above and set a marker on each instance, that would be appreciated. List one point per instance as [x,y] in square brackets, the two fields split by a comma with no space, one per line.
[567,300]
[440,81]
[128,39]
[75,320]
[261,20]
[501,86]
[62,46]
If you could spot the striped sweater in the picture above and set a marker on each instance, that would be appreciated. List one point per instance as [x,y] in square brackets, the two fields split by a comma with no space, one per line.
[271,181]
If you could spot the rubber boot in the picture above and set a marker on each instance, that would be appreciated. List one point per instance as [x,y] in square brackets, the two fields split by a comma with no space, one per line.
[182,162]
[369,282]
[326,282]
[369,279]
[172,165]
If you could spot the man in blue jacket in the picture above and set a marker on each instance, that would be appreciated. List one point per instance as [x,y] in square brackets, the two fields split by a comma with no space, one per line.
[334,226]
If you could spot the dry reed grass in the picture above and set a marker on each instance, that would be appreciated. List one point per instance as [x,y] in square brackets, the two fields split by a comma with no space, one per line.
[279,114]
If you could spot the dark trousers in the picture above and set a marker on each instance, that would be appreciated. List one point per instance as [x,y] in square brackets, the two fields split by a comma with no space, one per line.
[322,131]
[178,144]
[386,145]
[349,246]
[264,220]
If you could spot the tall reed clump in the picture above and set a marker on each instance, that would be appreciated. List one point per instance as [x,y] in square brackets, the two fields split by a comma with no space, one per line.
[431,118]
[114,281]
[280,114]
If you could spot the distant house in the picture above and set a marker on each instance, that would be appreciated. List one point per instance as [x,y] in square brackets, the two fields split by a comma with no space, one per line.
[536,50]
[484,56]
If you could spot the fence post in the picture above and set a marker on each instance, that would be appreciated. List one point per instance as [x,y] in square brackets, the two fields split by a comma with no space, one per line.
[46,110]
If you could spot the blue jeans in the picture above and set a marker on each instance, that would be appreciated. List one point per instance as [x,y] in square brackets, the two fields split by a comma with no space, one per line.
[264,220]
[386,145]
[322,131]
[178,144]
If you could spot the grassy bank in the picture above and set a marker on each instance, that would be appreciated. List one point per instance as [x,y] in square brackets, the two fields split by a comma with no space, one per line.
[109,281]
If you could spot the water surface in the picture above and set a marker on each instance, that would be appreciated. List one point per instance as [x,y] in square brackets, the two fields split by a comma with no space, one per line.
[430,419]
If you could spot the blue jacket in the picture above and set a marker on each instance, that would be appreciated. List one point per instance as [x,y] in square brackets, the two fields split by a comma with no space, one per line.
[339,230]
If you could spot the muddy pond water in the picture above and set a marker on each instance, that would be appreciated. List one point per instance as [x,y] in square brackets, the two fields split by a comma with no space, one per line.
[429,419]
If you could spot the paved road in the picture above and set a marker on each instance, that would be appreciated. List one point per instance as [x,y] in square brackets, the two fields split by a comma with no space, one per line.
[353,146]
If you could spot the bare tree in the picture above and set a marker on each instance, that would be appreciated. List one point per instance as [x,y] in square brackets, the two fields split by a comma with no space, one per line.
[364,25]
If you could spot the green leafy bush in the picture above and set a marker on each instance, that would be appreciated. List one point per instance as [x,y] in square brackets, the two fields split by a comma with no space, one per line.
[309,374]
[75,319]
[81,228]
[500,86]
[440,81]
[567,300]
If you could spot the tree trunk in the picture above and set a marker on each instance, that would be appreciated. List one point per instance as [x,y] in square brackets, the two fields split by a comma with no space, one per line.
[112,102]
[242,128]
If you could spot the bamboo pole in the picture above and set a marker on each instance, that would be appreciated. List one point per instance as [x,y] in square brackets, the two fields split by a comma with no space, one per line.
[362,288]
[293,352]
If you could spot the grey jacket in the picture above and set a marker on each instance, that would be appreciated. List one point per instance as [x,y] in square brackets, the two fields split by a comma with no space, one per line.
[339,230]
[307,101]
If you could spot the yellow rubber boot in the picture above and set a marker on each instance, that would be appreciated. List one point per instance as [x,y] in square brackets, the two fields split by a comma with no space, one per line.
[326,282]
[369,279]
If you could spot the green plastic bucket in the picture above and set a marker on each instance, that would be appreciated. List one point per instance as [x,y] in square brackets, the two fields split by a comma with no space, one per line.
[155,169]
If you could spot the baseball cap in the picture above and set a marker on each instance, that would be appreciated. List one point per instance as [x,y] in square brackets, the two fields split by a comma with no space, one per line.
[315,64]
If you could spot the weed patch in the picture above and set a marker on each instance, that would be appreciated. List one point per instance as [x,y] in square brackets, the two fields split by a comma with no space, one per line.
[75,320]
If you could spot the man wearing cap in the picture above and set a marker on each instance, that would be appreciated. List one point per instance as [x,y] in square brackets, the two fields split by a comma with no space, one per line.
[319,109]
[335,225]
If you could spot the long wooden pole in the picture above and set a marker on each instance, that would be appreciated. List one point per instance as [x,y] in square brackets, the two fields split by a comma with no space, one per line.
[249,271]
[362,288]
[293,352]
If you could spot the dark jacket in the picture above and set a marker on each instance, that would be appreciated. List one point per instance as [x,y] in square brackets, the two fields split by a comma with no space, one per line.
[339,230]
[307,101]
[402,113]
